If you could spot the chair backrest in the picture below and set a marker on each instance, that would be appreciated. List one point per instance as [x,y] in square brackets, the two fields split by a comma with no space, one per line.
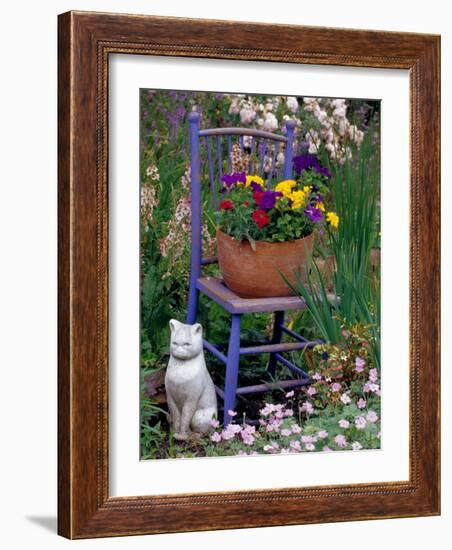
[261,147]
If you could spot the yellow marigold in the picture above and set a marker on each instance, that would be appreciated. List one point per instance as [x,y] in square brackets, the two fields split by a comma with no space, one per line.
[333,219]
[298,199]
[321,206]
[257,179]
[307,188]
[285,187]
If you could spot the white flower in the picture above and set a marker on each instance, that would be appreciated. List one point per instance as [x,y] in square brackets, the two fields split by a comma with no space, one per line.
[234,108]
[292,104]
[247,115]
[360,422]
[322,116]
[345,399]
[372,417]
[270,122]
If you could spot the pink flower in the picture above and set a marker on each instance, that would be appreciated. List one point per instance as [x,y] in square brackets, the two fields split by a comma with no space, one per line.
[359,364]
[335,387]
[316,376]
[288,412]
[344,423]
[247,439]
[361,403]
[356,446]
[341,441]
[360,422]
[272,448]
[322,434]
[290,394]
[345,398]
[285,432]
[373,375]
[215,437]
[232,413]
[310,447]
[268,409]
[307,407]
[372,417]
[214,423]
[230,431]
[311,391]
[273,425]
[294,444]
[326,449]
[295,429]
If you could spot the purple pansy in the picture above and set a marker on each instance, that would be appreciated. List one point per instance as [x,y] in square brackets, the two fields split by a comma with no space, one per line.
[314,214]
[268,199]
[256,186]
[232,179]
[309,162]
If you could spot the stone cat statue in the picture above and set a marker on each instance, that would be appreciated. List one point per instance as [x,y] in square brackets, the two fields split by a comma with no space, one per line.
[190,392]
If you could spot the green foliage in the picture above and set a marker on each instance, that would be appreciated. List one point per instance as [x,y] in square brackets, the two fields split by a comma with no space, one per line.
[353,296]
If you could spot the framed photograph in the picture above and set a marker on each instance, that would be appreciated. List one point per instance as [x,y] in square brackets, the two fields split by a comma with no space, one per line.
[248,275]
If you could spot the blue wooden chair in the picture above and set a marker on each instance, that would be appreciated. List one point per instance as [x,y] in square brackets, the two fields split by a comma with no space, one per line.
[263,144]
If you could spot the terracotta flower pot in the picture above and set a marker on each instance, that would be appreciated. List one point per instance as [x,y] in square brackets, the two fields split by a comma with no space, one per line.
[257,274]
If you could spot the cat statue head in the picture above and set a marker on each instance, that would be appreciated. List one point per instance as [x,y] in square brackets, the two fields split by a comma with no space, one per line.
[186,340]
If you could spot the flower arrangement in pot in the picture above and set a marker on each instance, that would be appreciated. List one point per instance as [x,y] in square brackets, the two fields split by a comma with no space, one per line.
[265,235]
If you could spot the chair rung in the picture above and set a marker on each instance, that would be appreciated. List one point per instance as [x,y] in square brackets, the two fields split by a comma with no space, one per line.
[208,346]
[293,334]
[271,348]
[284,384]
[291,366]
[209,260]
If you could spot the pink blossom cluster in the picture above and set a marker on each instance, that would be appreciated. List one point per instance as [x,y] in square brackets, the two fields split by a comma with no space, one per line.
[148,194]
[276,421]
[372,386]
[173,244]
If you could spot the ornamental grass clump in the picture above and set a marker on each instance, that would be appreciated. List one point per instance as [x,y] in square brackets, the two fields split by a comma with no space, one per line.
[252,210]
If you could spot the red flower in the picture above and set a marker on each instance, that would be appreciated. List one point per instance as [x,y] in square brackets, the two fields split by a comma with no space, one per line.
[261,218]
[246,203]
[226,205]
[257,196]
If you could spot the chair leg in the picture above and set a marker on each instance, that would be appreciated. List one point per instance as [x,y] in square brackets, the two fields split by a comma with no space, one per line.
[193,298]
[276,339]
[232,368]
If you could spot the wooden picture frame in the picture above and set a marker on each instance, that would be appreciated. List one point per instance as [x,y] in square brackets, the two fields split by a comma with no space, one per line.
[86,40]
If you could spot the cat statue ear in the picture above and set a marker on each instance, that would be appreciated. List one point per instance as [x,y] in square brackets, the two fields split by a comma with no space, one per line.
[174,324]
[196,328]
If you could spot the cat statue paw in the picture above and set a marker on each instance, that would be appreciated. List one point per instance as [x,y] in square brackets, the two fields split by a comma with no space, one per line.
[190,392]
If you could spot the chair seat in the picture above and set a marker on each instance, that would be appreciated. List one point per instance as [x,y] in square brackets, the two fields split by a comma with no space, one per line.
[216,290]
